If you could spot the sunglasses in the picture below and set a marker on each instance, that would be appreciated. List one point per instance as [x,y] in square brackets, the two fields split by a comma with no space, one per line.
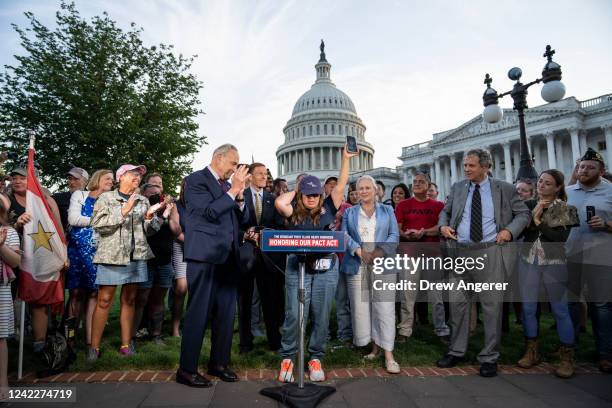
[313,195]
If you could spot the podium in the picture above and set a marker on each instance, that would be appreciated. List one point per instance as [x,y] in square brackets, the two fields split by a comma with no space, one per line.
[301,243]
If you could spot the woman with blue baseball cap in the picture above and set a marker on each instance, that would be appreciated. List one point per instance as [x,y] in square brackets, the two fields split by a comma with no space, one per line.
[306,209]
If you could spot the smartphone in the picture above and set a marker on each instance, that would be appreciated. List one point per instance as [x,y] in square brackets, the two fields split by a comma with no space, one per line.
[590,211]
[351,144]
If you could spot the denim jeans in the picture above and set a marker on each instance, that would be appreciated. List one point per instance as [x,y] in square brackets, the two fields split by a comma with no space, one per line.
[319,296]
[598,281]
[554,278]
[343,309]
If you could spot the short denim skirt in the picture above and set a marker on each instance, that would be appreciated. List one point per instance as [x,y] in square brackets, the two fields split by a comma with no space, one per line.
[113,275]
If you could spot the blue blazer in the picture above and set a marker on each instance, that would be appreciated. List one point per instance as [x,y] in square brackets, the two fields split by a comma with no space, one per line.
[212,220]
[386,231]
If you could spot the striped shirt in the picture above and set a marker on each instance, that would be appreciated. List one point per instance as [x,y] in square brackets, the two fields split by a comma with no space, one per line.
[7,316]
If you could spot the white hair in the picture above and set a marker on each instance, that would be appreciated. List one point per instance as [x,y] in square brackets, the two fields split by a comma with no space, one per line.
[366,178]
[223,149]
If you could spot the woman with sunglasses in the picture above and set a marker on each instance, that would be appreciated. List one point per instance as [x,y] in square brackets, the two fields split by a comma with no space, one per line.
[306,209]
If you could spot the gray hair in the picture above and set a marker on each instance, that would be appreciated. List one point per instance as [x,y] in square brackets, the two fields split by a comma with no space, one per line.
[484,157]
[366,178]
[223,149]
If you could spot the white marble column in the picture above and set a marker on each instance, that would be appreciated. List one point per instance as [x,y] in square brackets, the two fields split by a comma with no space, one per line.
[453,168]
[550,147]
[575,145]
[437,174]
[507,162]
[607,131]
[497,160]
[304,160]
[517,158]
[560,158]
[321,157]
[582,139]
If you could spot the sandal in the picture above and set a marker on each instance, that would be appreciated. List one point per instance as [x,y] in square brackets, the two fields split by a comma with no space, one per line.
[392,367]
[371,356]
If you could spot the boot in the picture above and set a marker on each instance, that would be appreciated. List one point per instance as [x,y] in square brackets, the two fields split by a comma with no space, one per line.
[566,363]
[532,355]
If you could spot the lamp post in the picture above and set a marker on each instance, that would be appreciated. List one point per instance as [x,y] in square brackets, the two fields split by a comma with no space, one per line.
[552,91]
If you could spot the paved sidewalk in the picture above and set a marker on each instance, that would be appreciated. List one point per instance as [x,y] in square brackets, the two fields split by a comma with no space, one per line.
[506,390]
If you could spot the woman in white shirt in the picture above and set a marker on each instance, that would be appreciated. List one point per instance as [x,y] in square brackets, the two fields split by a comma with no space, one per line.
[372,233]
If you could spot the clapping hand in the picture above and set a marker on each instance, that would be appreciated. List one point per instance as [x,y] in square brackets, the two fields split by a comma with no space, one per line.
[539,210]
[131,203]
[240,178]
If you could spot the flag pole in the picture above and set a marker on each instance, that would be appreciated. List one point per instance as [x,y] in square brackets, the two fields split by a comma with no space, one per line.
[23,305]
[21,334]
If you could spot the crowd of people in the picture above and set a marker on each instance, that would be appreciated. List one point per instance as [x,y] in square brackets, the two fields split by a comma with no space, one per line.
[124,231]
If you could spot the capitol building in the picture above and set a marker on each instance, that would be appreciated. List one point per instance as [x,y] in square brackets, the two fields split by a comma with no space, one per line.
[558,134]
[316,133]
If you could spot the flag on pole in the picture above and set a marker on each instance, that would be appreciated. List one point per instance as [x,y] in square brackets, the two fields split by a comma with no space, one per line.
[44,248]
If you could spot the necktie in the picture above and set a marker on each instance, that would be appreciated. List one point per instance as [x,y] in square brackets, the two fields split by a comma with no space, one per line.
[258,207]
[476,216]
[223,185]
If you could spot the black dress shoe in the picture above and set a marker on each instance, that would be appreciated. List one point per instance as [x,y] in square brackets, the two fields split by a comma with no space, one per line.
[488,370]
[449,361]
[224,374]
[192,380]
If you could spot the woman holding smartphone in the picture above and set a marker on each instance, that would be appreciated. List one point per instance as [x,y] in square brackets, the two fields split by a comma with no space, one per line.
[306,209]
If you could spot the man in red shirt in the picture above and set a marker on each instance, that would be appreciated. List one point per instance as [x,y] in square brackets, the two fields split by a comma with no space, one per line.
[417,219]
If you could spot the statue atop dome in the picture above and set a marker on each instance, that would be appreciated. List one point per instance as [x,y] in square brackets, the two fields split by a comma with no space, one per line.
[322,48]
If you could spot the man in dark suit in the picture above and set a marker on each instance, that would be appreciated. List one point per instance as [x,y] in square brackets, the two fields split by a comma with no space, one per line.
[267,271]
[214,210]
[480,217]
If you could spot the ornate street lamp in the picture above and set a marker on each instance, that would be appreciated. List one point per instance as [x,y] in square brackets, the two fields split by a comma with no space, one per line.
[552,91]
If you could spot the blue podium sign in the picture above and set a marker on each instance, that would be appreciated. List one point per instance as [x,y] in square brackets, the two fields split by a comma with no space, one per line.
[302,241]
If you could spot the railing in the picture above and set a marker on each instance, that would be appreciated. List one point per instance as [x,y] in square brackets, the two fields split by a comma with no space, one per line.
[415,148]
[589,103]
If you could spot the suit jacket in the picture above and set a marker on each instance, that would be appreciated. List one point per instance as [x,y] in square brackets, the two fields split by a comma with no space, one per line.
[510,211]
[386,232]
[212,220]
[270,218]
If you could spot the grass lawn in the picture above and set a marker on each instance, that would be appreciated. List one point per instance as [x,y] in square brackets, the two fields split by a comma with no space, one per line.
[422,349]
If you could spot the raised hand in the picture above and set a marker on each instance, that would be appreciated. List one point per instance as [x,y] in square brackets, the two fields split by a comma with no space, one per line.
[346,154]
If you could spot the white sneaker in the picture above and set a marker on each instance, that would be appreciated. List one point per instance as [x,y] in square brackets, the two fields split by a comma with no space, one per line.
[286,371]
[315,370]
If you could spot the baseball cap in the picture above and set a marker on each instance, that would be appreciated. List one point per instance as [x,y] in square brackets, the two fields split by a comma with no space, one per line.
[22,171]
[78,173]
[311,185]
[129,167]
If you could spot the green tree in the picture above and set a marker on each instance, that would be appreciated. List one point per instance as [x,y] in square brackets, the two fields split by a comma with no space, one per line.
[96,96]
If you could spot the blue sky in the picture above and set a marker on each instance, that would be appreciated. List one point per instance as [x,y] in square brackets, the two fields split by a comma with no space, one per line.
[412,68]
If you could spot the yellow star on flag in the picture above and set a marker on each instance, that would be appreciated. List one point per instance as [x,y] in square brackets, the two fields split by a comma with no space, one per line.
[41,238]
